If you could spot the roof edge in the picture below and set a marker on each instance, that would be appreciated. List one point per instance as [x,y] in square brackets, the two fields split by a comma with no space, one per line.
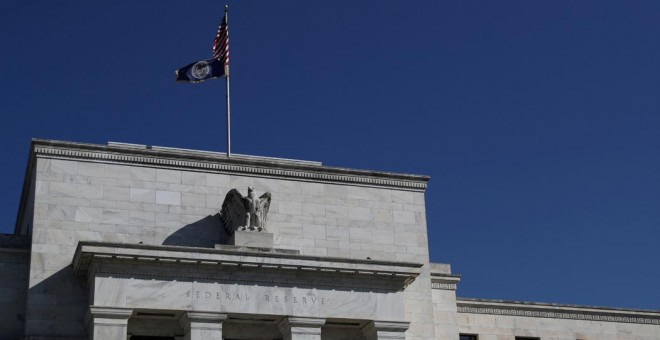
[557,311]
[217,162]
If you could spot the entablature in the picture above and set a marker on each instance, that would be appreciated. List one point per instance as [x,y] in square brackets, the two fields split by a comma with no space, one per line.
[141,260]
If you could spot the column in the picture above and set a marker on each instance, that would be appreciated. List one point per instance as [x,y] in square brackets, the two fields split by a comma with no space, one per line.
[390,330]
[108,323]
[202,325]
[301,328]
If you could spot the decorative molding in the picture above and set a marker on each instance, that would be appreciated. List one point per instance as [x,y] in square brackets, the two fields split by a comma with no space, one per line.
[444,281]
[584,313]
[202,320]
[245,166]
[110,312]
[107,316]
[300,326]
[443,285]
[92,258]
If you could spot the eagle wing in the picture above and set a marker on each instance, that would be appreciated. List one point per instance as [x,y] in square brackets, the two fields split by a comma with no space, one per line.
[234,211]
[262,209]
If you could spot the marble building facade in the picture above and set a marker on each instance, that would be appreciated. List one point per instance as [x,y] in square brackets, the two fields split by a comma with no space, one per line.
[124,241]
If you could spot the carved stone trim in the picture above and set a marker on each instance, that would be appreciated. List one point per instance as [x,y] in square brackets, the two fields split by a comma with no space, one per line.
[444,281]
[197,162]
[443,285]
[526,309]
[202,320]
[108,316]
[110,312]
[111,258]
[300,326]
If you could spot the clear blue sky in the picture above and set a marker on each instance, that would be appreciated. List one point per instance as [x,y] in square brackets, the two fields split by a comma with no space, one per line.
[538,122]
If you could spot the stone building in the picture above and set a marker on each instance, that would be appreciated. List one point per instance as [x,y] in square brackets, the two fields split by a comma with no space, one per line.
[124,241]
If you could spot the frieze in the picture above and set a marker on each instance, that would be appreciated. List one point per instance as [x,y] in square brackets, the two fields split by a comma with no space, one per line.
[542,311]
[238,297]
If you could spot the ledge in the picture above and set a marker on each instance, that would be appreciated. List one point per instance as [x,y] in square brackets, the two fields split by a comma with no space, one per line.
[100,257]
[557,311]
[444,281]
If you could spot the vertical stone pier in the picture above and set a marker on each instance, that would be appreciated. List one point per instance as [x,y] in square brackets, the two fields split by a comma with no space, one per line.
[202,325]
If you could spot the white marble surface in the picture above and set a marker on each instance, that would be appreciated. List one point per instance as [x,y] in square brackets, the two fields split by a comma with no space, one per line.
[96,200]
[247,299]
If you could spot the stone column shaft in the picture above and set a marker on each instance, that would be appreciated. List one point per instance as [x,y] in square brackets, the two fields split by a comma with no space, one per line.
[202,325]
[108,323]
[301,328]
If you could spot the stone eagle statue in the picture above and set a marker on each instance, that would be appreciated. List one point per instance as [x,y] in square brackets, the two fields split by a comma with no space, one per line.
[245,212]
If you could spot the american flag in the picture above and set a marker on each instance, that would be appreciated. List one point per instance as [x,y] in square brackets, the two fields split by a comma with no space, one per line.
[221,44]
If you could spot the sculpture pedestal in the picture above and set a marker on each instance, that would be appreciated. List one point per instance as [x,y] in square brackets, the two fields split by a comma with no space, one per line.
[251,239]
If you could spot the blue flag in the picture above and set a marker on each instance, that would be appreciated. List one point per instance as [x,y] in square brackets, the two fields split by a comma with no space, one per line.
[201,70]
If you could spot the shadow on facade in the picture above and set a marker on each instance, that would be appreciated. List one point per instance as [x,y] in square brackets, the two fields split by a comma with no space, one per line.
[205,233]
[58,305]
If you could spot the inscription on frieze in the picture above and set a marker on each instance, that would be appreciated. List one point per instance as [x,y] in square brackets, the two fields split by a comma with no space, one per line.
[271,297]
[217,295]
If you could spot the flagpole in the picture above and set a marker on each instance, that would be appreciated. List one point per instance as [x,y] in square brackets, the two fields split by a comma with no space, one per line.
[228,117]
[227,93]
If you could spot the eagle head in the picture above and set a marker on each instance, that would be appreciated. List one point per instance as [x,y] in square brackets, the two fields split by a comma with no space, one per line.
[251,194]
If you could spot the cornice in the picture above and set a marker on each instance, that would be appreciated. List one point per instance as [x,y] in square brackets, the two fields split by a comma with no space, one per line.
[216,162]
[131,259]
[444,281]
[557,311]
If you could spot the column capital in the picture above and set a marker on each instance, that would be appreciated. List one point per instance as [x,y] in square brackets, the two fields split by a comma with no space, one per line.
[202,325]
[116,315]
[293,326]
[302,321]
[204,317]
[189,319]
[109,312]
[107,322]
[385,330]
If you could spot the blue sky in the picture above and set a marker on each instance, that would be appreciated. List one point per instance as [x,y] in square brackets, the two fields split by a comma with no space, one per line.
[537,121]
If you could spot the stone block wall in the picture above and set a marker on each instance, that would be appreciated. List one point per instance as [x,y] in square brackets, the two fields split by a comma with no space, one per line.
[14,271]
[443,286]
[121,203]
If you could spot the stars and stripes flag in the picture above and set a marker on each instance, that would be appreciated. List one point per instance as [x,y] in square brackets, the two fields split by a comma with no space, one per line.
[221,44]
[216,67]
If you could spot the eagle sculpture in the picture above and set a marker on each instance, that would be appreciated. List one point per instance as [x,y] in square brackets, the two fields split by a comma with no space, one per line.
[245,212]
